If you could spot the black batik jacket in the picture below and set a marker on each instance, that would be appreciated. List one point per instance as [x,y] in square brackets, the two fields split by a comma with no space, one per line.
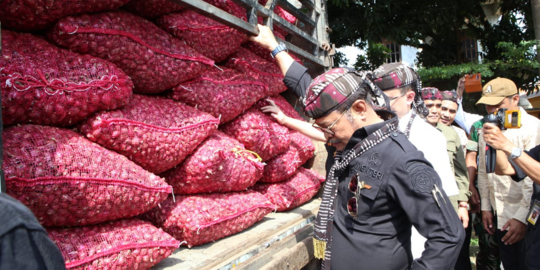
[401,195]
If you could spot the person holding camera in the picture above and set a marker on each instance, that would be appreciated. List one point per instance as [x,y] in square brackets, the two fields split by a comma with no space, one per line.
[509,200]
[511,161]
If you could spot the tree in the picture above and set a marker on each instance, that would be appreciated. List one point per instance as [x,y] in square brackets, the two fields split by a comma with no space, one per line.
[435,27]
[376,54]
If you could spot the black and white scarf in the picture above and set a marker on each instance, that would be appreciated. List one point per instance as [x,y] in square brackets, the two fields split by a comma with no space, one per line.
[322,239]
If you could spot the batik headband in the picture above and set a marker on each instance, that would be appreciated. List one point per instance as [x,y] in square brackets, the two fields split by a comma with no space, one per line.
[331,89]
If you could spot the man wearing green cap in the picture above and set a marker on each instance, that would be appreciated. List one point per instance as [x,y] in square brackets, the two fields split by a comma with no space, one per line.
[509,200]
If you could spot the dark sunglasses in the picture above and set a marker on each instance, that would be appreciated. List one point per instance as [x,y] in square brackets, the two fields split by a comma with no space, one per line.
[354,183]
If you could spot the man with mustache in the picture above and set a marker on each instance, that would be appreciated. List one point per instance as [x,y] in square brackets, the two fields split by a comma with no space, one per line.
[379,185]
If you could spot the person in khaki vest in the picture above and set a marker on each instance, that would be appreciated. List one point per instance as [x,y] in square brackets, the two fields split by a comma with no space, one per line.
[509,200]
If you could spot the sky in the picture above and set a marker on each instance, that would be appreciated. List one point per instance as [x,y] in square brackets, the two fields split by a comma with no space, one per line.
[408,54]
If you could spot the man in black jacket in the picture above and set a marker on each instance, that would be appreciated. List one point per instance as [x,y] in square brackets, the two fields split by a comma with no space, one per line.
[24,244]
[379,185]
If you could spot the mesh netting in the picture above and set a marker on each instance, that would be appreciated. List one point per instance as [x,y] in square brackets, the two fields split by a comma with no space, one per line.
[123,244]
[30,15]
[200,219]
[230,7]
[220,164]
[266,72]
[153,59]
[154,132]
[260,133]
[224,93]
[67,180]
[300,150]
[44,84]
[283,104]
[212,39]
[152,9]
[285,165]
[285,15]
[294,192]
[264,53]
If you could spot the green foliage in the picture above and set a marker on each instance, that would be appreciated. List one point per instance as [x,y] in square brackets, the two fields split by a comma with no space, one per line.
[340,60]
[516,62]
[434,26]
[376,55]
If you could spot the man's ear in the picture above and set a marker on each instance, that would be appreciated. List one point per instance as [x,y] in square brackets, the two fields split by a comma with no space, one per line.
[409,96]
[515,100]
[359,107]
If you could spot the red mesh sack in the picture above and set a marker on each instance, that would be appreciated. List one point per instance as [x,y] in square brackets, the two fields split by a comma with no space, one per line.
[30,15]
[220,164]
[154,132]
[260,133]
[285,15]
[67,180]
[230,7]
[152,9]
[225,93]
[294,192]
[285,165]
[281,12]
[264,71]
[128,244]
[199,219]
[212,39]
[44,84]
[264,53]
[283,104]
[153,59]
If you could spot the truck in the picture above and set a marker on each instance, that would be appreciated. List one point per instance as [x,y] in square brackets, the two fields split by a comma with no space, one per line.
[280,240]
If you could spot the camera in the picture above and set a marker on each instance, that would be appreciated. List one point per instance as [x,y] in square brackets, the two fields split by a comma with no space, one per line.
[504,119]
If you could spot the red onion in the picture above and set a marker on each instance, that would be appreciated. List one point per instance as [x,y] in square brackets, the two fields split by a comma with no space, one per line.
[124,244]
[220,164]
[294,192]
[67,180]
[200,219]
[156,133]
[153,59]
[225,94]
[44,84]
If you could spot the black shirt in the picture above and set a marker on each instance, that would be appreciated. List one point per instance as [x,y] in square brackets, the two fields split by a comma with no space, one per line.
[24,244]
[297,79]
[532,238]
[400,196]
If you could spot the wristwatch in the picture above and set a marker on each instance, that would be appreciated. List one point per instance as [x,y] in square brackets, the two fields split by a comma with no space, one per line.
[516,152]
[280,47]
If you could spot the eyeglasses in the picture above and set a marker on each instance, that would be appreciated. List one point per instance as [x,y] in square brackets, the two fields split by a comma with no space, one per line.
[429,106]
[396,97]
[354,183]
[328,130]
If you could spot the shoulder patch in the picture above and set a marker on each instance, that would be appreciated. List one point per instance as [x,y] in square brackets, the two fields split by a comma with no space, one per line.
[421,179]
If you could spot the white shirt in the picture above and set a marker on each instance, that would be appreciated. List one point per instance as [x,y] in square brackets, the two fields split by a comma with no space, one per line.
[464,119]
[432,143]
